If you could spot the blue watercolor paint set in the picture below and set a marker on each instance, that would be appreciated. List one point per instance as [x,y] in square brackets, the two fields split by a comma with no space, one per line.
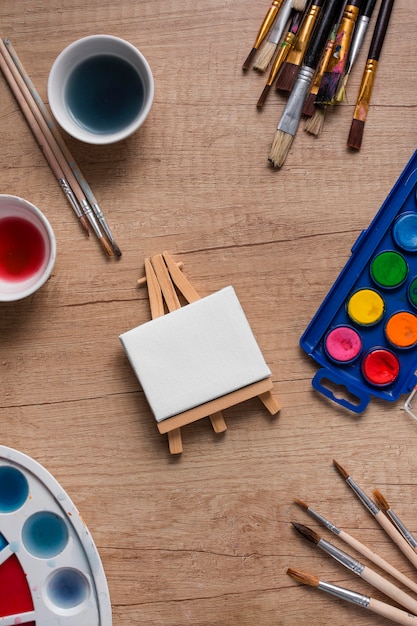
[364,334]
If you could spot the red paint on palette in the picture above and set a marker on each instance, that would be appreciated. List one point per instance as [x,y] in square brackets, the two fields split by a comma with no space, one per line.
[22,249]
[380,367]
[15,595]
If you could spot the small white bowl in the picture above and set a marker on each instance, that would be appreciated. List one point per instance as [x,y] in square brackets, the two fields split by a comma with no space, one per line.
[23,270]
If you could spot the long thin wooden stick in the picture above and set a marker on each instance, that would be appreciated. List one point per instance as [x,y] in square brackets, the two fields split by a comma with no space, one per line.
[43,145]
[63,146]
[49,138]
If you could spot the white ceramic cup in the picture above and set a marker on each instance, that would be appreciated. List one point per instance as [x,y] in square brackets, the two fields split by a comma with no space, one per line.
[100,89]
[27,248]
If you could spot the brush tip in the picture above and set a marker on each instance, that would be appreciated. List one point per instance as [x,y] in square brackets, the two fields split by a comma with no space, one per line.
[309,107]
[249,59]
[116,249]
[314,124]
[280,147]
[340,469]
[287,77]
[303,577]
[265,56]
[307,532]
[355,135]
[84,224]
[263,96]
[328,88]
[299,5]
[381,501]
[106,247]
[301,503]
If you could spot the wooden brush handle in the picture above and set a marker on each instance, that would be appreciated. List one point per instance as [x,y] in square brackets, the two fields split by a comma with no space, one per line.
[380,29]
[390,590]
[391,612]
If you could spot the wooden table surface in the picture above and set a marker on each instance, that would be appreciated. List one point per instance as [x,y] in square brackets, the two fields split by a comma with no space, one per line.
[205,538]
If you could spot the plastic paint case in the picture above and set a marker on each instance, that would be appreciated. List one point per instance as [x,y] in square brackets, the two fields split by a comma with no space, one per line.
[50,570]
[375,299]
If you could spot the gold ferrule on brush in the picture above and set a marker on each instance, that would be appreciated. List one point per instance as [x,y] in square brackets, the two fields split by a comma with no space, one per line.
[268,21]
[343,38]
[303,37]
[283,52]
[322,67]
[365,91]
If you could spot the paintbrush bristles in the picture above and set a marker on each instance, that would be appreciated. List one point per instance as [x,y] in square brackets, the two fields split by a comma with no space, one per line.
[263,96]
[299,5]
[303,504]
[265,56]
[249,59]
[380,500]
[340,469]
[287,76]
[355,134]
[307,532]
[280,148]
[303,577]
[314,124]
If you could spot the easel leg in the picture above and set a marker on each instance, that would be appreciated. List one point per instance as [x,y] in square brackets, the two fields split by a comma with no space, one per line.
[269,402]
[175,441]
[218,423]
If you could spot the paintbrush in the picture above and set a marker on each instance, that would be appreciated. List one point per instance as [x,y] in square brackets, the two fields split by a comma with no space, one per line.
[308,108]
[385,507]
[314,124]
[263,31]
[271,44]
[12,75]
[62,145]
[291,66]
[360,547]
[358,568]
[290,119]
[389,528]
[334,70]
[366,602]
[359,33]
[43,145]
[368,78]
[283,52]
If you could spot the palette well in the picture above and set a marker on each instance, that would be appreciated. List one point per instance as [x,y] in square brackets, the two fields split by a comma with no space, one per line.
[50,570]
[364,334]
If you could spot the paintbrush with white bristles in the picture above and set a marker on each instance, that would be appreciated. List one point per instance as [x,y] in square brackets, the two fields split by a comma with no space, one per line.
[290,119]
[270,46]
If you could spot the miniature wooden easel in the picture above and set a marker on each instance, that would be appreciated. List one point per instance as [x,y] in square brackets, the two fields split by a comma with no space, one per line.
[164,279]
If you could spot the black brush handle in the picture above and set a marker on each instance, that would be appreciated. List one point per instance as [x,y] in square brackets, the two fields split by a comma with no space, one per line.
[322,32]
[380,29]
[368,8]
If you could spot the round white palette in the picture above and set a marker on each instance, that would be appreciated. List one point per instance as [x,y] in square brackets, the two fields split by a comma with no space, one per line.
[50,570]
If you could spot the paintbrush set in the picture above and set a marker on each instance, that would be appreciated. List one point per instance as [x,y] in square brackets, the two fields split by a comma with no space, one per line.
[311,49]
[63,165]
[405,609]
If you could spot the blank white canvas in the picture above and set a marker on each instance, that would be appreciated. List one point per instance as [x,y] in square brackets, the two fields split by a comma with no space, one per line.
[195,354]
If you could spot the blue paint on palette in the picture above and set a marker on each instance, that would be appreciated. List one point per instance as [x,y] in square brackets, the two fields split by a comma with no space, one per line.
[387,364]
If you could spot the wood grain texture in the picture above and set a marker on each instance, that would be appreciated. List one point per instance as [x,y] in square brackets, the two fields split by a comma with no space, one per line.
[204,539]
